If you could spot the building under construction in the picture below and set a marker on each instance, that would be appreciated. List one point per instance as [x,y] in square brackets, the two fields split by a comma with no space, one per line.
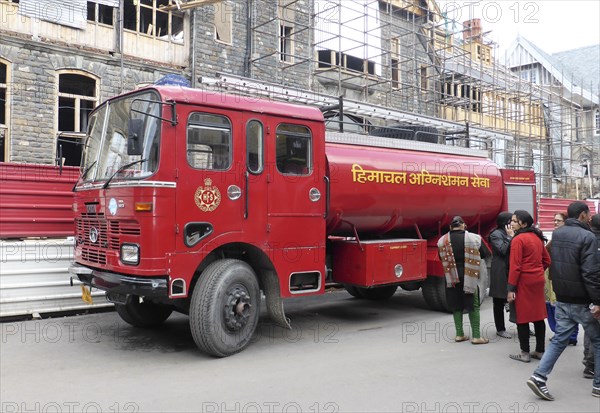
[389,67]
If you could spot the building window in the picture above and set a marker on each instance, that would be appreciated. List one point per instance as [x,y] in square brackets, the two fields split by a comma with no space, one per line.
[100,13]
[155,18]
[4,84]
[597,122]
[286,43]
[223,22]
[423,78]
[395,62]
[330,58]
[77,97]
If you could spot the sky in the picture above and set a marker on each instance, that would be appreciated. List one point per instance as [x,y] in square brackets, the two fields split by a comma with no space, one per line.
[552,25]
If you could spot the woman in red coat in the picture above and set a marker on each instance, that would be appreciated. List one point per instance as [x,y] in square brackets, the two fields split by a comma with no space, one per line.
[528,261]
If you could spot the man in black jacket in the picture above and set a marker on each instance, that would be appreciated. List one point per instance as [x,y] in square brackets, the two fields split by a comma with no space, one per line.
[588,352]
[576,282]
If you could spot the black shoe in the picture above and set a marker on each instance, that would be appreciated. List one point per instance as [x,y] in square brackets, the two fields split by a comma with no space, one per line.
[538,386]
[588,373]
[596,392]
[572,342]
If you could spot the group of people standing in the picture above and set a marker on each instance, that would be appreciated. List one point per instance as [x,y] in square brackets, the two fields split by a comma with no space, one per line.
[558,281]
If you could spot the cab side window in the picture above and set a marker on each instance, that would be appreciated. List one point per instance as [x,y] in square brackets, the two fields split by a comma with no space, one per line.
[293,150]
[209,141]
[254,147]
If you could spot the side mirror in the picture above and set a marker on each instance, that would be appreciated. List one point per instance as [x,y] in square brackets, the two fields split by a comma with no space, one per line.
[134,136]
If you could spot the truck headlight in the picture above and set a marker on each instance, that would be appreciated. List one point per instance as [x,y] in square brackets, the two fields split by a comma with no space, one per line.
[130,254]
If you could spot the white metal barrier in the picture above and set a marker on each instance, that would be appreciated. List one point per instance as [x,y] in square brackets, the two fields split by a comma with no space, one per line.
[34,278]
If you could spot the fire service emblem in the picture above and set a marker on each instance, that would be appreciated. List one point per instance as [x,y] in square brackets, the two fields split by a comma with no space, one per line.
[207,197]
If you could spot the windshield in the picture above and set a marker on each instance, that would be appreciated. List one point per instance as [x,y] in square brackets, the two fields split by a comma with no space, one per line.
[108,151]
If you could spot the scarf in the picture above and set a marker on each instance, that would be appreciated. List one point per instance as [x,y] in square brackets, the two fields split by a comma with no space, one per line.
[472,262]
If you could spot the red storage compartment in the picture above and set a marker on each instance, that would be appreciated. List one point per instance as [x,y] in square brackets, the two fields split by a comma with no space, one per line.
[379,262]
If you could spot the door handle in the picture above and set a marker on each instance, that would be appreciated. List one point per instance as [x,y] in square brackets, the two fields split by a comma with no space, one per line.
[326,179]
[246,197]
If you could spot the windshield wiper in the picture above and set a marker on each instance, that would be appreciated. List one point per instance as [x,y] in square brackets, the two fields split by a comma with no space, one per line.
[83,175]
[122,168]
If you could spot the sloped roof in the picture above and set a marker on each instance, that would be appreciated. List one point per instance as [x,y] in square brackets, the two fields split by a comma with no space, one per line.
[584,63]
[571,67]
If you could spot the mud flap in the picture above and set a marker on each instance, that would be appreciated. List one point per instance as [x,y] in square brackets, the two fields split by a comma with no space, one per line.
[274,301]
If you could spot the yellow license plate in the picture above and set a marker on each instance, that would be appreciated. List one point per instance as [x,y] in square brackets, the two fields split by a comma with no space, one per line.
[86,295]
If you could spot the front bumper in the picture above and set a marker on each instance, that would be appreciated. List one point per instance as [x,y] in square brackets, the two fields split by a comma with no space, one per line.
[120,284]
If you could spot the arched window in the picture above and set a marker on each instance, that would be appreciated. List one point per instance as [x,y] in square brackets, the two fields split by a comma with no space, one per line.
[77,97]
[4,109]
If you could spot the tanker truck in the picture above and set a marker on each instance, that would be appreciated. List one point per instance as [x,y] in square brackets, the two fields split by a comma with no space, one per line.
[201,203]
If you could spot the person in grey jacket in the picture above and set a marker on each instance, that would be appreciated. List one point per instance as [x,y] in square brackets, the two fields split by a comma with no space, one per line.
[576,282]
[500,242]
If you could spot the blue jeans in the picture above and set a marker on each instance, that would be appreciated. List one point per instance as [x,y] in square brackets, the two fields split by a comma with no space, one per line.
[552,321]
[567,318]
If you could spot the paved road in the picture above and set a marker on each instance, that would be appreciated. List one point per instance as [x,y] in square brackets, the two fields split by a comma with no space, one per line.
[345,355]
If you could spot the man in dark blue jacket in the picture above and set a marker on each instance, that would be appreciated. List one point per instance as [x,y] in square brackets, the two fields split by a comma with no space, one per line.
[576,282]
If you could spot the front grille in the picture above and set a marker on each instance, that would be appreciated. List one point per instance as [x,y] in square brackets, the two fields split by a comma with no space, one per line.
[93,255]
[124,228]
[108,235]
[86,225]
[118,228]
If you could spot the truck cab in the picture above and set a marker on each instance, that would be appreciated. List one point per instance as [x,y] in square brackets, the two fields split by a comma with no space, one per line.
[195,202]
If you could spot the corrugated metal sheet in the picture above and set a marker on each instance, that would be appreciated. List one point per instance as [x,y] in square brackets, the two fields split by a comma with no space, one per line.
[550,206]
[34,278]
[36,200]
[72,13]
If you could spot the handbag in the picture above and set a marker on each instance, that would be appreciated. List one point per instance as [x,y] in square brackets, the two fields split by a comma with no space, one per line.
[512,313]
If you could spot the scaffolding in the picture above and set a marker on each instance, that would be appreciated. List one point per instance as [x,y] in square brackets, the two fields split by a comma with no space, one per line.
[404,62]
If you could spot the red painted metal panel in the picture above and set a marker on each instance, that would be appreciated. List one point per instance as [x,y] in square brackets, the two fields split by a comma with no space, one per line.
[374,262]
[36,200]
[550,206]
[376,206]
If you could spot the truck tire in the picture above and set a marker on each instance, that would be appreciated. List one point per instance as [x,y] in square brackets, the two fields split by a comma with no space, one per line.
[411,285]
[225,307]
[144,314]
[434,293]
[353,291]
[375,294]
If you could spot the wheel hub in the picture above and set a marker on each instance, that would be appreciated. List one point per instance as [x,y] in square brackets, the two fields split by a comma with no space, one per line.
[237,308]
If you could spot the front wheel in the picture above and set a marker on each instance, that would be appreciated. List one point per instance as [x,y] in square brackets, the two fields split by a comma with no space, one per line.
[225,307]
[143,314]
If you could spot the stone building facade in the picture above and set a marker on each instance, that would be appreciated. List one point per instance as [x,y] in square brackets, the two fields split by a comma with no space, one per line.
[59,61]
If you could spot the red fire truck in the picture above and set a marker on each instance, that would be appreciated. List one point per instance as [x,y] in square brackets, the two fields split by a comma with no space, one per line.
[194,201]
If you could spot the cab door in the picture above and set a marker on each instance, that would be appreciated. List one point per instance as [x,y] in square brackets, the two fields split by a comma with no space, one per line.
[208,201]
[297,204]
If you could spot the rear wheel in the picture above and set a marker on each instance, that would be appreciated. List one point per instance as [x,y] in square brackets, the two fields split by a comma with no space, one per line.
[143,314]
[411,285]
[353,291]
[434,293]
[375,293]
[225,307]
